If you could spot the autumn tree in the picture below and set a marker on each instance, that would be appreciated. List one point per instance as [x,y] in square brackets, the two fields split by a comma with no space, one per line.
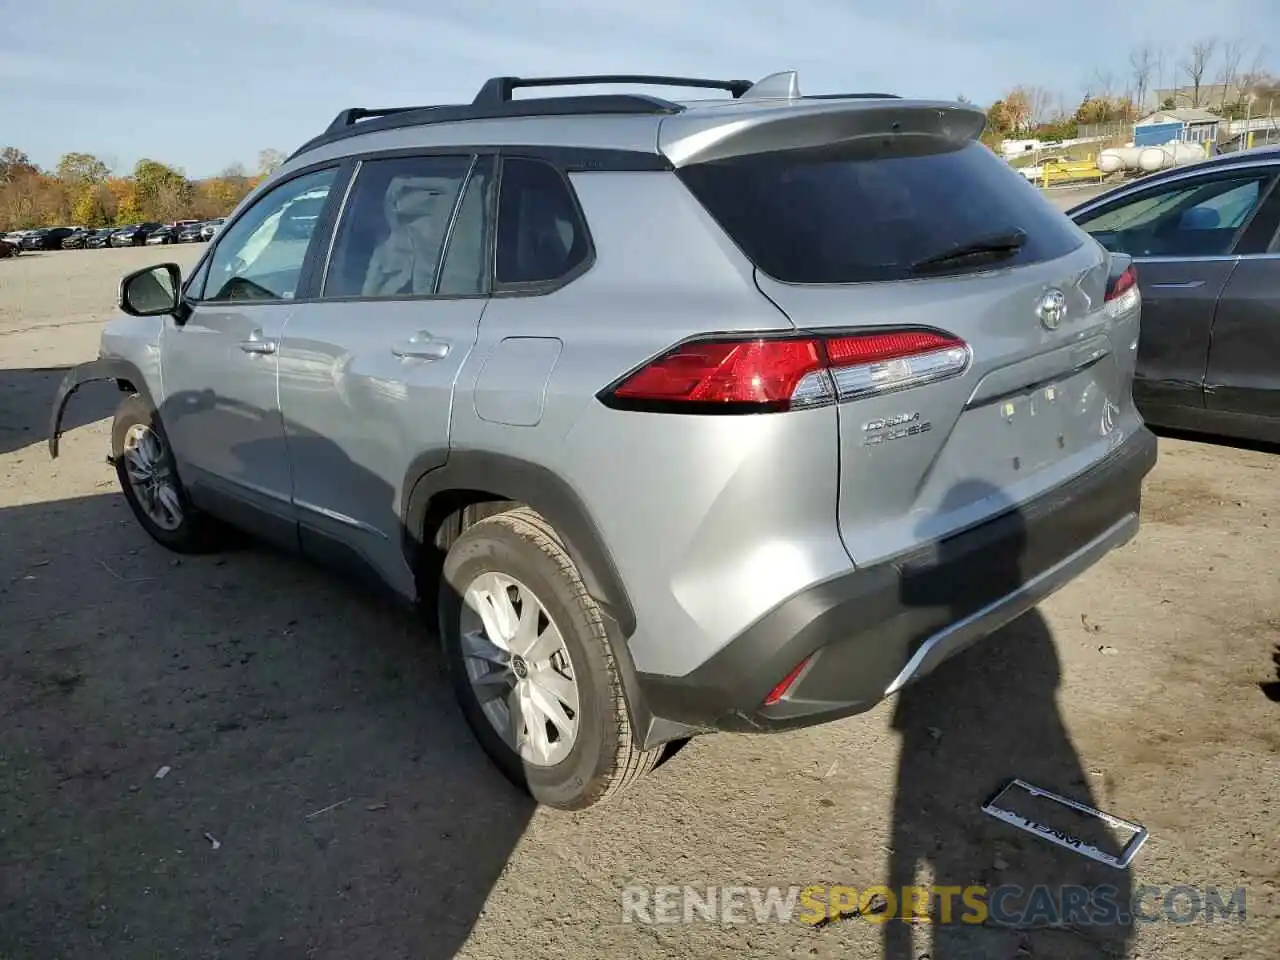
[15,165]
[80,169]
[161,192]
[1017,110]
[128,205]
[92,207]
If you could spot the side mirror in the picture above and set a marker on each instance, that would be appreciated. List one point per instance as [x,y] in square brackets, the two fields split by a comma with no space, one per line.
[152,291]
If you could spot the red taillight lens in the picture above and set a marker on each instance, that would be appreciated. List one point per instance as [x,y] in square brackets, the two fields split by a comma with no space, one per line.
[870,348]
[745,371]
[1123,283]
[780,691]
[786,373]
[1122,294]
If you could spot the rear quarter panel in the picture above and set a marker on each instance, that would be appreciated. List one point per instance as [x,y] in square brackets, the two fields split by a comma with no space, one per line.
[711,521]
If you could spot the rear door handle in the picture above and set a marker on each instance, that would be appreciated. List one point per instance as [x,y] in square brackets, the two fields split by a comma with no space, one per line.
[421,346]
[1178,285]
[258,344]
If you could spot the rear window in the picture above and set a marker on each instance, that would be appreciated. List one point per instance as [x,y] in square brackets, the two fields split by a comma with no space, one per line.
[868,212]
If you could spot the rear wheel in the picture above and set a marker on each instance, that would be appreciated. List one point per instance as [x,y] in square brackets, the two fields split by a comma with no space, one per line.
[149,478]
[532,665]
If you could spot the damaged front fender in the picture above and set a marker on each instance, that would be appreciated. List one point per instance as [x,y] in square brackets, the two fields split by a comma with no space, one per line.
[125,375]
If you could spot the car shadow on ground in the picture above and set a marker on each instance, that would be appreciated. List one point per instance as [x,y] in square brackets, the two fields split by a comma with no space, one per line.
[986,716]
[321,794]
[1271,688]
[26,399]
[1239,443]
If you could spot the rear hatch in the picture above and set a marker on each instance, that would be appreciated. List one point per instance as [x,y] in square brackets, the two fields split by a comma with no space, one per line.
[1014,375]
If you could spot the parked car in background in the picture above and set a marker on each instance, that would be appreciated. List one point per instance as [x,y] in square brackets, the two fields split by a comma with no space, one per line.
[191,233]
[134,235]
[77,238]
[46,238]
[161,235]
[211,227]
[904,421]
[99,239]
[1205,238]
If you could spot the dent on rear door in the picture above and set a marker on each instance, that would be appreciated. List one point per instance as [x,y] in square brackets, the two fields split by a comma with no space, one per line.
[1178,298]
[1243,375]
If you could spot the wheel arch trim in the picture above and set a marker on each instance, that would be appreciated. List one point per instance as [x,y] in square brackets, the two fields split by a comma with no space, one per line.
[123,372]
[520,481]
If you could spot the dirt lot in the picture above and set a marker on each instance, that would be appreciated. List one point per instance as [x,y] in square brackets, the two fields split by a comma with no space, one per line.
[270,691]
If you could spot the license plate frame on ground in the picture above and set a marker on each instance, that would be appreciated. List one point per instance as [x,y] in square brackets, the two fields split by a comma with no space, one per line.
[1064,840]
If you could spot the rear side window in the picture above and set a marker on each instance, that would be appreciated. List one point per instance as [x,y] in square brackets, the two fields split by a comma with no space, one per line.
[868,213]
[541,236]
[393,230]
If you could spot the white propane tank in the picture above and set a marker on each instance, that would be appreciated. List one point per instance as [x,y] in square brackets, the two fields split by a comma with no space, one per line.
[1109,161]
[1129,156]
[1152,159]
[1184,153]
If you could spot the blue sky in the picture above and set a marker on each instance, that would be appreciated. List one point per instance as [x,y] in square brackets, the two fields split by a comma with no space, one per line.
[204,83]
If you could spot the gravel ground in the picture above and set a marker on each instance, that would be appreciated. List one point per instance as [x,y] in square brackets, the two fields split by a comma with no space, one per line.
[324,799]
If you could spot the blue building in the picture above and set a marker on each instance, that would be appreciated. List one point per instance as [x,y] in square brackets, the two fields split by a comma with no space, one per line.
[1165,126]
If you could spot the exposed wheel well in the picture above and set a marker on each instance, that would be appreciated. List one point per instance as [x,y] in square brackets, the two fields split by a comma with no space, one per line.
[442,501]
[448,514]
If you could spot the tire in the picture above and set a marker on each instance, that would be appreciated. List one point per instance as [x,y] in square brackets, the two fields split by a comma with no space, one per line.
[604,757]
[195,532]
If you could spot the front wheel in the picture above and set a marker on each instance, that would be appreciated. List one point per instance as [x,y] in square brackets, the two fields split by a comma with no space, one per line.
[149,479]
[532,665]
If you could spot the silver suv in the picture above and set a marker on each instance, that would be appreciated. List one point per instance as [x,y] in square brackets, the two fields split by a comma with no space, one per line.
[736,414]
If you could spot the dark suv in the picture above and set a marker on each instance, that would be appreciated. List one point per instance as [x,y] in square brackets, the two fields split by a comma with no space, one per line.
[134,235]
[46,238]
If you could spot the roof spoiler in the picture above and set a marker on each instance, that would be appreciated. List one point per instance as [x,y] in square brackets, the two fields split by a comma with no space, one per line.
[811,122]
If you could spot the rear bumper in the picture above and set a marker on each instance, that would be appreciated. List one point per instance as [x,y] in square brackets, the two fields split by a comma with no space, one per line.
[872,631]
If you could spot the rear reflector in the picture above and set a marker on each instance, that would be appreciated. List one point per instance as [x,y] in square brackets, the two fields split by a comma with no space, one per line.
[780,691]
[1122,292]
[775,374]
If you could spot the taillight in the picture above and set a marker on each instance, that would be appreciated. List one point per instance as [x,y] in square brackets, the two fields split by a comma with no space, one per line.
[774,374]
[1122,292]
[780,691]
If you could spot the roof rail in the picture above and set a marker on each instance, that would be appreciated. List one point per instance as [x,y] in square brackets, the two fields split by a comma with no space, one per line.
[499,89]
[356,121]
[352,115]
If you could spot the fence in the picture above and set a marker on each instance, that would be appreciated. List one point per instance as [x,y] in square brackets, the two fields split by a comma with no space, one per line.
[1117,129]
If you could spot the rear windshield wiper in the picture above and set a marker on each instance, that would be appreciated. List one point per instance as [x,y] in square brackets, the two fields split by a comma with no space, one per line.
[1005,243]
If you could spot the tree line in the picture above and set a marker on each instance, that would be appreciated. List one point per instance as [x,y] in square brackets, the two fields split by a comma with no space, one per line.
[83,190]
[1228,77]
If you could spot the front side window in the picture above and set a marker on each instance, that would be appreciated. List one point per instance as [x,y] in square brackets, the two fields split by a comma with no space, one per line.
[261,256]
[394,227]
[541,236]
[1196,219]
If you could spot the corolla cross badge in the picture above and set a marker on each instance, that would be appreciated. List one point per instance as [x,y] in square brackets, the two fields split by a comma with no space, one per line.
[1052,309]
